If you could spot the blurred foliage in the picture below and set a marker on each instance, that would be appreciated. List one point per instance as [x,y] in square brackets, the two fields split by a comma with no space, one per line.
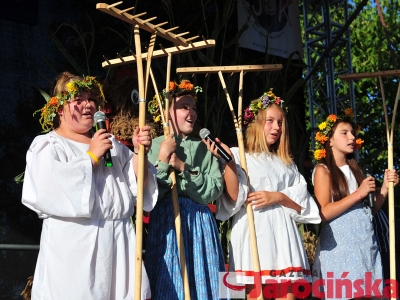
[373,48]
[376,48]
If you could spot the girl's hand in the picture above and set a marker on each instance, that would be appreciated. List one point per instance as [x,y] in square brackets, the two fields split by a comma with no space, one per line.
[100,143]
[176,163]
[263,198]
[142,137]
[167,147]
[390,176]
[366,187]
[214,150]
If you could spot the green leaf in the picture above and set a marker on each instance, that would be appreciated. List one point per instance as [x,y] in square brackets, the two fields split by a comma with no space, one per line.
[44,94]
[19,178]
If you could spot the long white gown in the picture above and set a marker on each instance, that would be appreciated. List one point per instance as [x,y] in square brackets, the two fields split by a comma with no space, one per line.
[87,246]
[280,247]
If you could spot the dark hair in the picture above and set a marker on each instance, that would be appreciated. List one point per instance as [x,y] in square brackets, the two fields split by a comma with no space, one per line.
[174,94]
[338,181]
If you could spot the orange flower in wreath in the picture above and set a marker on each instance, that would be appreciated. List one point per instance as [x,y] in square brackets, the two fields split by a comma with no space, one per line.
[319,154]
[53,101]
[359,143]
[332,118]
[186,85]
[321,137]
[172,85]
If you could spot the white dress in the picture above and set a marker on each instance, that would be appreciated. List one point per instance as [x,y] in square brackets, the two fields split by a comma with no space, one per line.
[280,247]
[87,246]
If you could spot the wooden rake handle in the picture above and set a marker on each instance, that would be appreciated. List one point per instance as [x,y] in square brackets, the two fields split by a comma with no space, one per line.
[174,191]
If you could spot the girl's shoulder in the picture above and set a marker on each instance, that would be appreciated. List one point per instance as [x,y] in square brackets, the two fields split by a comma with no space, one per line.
[321,165]
[235,150]
[48,138]
[320,170]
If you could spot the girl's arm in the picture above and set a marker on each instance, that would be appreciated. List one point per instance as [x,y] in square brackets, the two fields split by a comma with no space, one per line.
[329,209]
[231,180]
[389,176]
[293,196]
[263,198]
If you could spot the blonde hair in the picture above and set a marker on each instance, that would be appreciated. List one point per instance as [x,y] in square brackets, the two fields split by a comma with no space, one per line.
[62,80]
[61,86]
[255,137]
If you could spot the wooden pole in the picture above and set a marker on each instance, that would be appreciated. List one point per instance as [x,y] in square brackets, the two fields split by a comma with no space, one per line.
[175,196]
[149,57]
[243,164]
[140,179]
[158,53]
[174,192]
[389,136]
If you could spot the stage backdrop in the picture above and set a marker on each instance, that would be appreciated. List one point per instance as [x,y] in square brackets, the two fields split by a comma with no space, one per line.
[275,23]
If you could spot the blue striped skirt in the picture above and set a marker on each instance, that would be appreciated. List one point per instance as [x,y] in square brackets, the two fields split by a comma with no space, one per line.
[204,257]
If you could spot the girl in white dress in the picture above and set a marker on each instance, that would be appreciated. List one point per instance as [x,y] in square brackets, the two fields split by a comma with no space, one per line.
[87,246]
[279,197]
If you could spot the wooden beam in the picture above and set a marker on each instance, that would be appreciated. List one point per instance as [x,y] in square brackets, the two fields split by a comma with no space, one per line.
[230,69]
[359,76]
[159,53]
[143,24]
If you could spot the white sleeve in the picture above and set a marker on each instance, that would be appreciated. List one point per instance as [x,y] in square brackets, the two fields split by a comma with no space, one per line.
[151,189]
[298,192]
[226,208]
[54,185]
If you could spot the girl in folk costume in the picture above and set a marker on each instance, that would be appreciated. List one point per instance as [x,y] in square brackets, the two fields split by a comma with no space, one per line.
[87,243]
[198,182]
[347,244]
[279,198]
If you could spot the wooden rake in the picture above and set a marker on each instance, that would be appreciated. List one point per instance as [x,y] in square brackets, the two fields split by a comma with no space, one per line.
[389,138]
[180,45]
[239,134]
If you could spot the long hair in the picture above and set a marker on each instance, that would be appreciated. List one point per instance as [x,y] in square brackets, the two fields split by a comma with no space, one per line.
[338,181]
[255,138]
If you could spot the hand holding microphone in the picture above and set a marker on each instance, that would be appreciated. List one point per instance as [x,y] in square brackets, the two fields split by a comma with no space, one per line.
[100,122]
[369,201]
[206,135]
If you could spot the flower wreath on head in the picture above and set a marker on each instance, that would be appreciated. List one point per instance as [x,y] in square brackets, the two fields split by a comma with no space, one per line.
[174,88]
[324,128]
[50,109]
[266,99]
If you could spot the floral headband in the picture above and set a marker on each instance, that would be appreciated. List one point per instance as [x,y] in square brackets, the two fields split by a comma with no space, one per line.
[261,103]
[50,109]
[325,127]
[174,88]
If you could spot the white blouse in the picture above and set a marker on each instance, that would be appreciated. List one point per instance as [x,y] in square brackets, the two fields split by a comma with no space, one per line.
[87,245]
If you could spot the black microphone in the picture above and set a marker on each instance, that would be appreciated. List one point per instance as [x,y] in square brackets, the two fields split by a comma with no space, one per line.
[205,134]
[369,201]
[100,120]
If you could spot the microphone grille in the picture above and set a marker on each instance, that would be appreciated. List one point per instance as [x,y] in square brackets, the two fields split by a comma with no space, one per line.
[99,116]
[367,169]
[204,132]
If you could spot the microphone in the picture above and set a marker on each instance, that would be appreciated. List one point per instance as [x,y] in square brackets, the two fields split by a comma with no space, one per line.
[369,201]
[205,134]
[100,120]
